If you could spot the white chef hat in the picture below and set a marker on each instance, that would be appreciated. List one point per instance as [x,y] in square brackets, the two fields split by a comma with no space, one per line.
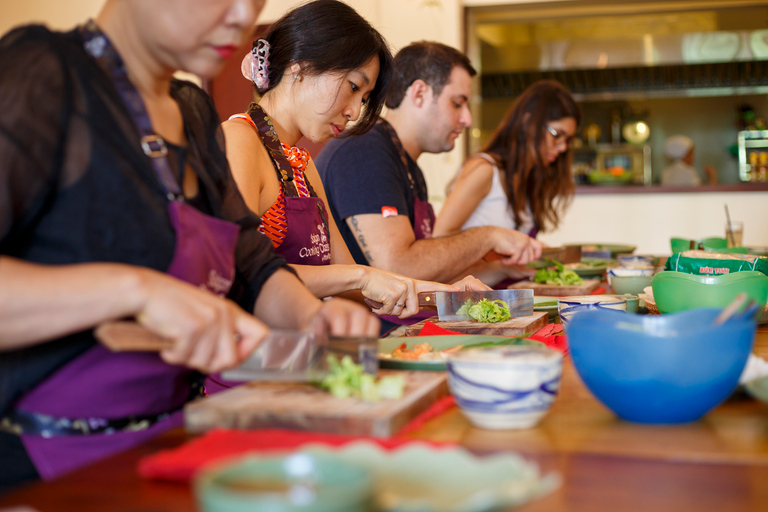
[677,146]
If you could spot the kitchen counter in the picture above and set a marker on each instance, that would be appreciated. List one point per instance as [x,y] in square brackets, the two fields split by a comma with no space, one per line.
[668,189]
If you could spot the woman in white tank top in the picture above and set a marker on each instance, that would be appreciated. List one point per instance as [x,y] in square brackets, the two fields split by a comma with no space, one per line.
[522,178]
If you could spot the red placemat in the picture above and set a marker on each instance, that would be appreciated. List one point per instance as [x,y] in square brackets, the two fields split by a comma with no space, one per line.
[180,464]
[551,335]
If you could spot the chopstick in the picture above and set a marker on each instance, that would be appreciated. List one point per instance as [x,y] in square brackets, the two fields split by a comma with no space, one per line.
[730,229]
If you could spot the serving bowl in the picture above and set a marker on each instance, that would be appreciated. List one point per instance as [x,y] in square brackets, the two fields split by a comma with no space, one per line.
[678,291]
[567,307]
[660,369]
[627,271]
[629,284]
[636,260]
[285,483]
[506,387]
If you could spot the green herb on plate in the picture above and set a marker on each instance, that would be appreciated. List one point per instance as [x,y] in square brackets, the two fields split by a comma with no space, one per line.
[347,379]
[559,275]
[486,311]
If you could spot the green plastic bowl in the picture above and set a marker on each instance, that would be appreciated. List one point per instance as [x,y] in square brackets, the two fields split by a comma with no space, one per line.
[298,482]
[678,291]
[714,244]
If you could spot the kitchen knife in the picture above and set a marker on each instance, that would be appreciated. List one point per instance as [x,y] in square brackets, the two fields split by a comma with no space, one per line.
[282,356]
[565,254]
[520,302]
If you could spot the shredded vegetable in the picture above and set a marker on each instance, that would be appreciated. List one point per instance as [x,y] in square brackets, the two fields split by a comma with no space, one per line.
[486,311]
[347,379]
[559,275]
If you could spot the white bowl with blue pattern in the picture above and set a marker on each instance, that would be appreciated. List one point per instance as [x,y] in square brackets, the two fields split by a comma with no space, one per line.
[569,306]
[509,387]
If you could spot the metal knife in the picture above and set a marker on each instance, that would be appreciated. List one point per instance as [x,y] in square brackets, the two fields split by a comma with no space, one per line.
[448,304]
[282,356]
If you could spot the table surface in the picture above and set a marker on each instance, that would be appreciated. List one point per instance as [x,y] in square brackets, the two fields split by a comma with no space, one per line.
[719,463]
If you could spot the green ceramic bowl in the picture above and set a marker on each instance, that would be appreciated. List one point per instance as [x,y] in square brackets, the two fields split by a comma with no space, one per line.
[678,291]
[710,244]
[291,483]
[630,284]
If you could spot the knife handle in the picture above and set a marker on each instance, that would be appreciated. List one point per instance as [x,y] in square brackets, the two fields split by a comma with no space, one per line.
[372,303]
[493,256]
[130,336]
[427,299]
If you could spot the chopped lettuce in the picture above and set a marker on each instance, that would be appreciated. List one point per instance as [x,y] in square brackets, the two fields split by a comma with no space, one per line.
[486,311]
[559,275]
[347,379]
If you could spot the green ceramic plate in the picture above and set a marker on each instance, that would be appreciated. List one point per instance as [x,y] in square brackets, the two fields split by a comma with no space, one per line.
[422,478]
[387,345]
[547,304]
[590,267]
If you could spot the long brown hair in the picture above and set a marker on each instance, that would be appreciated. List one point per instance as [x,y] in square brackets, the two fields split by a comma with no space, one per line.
[547,188]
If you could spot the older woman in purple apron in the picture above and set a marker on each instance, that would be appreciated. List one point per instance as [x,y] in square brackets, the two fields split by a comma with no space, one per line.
[312,86]
[117,201]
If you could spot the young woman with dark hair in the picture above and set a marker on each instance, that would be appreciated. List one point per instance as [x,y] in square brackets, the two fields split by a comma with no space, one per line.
[522,178]
[319,68]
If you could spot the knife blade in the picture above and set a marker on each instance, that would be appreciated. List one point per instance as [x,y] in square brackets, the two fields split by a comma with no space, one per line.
[448,304]
[564,254]
[282,356]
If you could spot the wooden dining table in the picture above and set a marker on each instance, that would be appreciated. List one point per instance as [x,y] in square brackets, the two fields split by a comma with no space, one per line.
[718,464]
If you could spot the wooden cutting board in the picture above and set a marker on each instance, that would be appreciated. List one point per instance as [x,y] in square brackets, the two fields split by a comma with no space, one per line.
[518,326]
[588,287]
[302,406]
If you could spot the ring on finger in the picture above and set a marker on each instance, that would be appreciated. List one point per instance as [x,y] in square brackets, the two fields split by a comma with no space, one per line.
[399,305]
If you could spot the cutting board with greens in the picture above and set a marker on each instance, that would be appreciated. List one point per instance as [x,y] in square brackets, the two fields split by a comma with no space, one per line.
[515,326]
[304,406]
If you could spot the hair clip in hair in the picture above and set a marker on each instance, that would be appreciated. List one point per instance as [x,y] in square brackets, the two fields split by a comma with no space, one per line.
[260,66]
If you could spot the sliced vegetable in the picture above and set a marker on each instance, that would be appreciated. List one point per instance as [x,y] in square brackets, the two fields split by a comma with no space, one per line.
[486,311]
[347,379]
[559,275]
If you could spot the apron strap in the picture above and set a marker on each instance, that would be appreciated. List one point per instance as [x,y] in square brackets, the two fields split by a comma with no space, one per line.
[401,151]
[100,48]
[272,142]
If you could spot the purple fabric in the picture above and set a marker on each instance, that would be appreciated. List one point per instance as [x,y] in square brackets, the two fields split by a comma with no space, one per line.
[307,241]
[104,384]
[423,219]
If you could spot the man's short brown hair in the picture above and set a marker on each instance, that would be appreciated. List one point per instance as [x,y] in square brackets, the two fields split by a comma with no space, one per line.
[424,60]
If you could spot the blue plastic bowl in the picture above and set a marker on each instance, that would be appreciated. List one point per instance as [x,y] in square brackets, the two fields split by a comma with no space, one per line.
[659,369]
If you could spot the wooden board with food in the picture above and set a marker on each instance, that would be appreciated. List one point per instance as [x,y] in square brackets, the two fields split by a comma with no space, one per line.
[588,286]
[304,406]
[516,326]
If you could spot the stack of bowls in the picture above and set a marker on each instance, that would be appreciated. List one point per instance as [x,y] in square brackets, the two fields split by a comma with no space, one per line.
[291,483]
[660,369]
[568,307]
[509,387]
[679,291]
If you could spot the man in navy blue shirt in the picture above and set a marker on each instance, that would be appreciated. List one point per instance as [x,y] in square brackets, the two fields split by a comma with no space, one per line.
[377,192]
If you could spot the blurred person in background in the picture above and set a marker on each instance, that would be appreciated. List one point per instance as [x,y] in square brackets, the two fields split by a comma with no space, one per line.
[521,179]
[681,151]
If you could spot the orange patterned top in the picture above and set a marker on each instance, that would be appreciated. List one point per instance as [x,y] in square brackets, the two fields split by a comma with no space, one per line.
[273,223]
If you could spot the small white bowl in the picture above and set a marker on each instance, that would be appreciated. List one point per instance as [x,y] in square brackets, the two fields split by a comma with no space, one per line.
[569,306]
[629,271]
[509,387]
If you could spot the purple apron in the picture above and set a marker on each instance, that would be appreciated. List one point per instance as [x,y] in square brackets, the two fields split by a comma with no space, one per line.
[100,385]
[307,240]
[423,221]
